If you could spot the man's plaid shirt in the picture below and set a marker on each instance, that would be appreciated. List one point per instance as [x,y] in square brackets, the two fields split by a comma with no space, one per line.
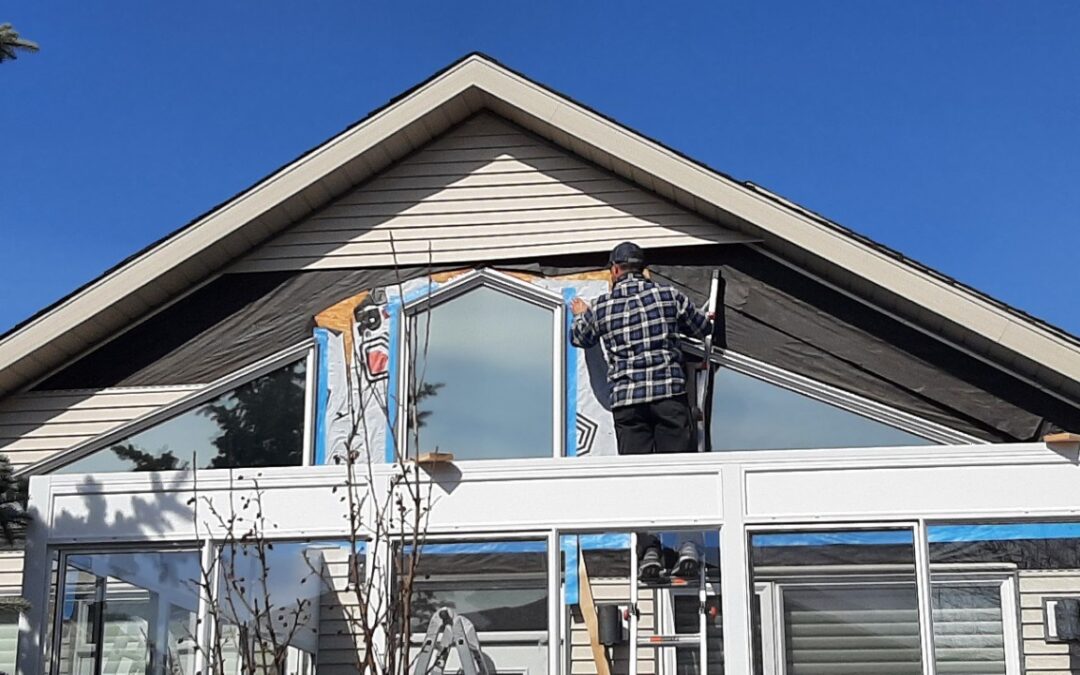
[639,324]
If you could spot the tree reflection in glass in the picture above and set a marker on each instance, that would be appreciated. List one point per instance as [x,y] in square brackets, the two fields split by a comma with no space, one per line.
[260,423]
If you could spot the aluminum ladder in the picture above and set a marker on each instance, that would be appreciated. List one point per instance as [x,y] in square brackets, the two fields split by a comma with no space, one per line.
[448,630]
[658,640]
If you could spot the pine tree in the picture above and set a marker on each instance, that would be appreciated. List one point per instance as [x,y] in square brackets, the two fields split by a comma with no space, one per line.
[13,496]
[11,43]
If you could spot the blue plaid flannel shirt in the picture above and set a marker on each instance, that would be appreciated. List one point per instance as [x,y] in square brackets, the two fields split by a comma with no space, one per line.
[639,324]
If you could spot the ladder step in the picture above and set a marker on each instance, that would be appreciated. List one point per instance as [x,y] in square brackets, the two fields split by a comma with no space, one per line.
[669,640]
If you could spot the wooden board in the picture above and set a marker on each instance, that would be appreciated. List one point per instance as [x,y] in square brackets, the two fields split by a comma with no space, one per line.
[592,624]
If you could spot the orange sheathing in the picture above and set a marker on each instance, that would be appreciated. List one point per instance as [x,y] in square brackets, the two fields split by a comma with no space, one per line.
[339,317]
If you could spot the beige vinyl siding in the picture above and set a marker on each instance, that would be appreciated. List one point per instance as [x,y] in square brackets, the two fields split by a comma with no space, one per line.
[338,643]
[483,191]
[35,426]
[1042,657]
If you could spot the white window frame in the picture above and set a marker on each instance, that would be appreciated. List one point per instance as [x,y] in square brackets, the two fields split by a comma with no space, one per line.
[834,396]
[508,285]
[304,350]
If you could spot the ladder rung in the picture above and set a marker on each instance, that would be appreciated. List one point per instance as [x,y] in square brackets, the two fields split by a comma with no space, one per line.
[669,640]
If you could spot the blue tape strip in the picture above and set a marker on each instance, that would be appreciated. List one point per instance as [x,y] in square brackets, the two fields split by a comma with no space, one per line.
[484,547]
[393,309]
[869,538]
[322,392]
[571,378]
[1002,532]
[572,584]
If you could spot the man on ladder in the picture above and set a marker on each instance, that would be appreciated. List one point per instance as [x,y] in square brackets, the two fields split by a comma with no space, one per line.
[641,324]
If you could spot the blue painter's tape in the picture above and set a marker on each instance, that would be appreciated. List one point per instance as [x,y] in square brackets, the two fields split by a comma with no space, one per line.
[393,308]
[572,584]
[571,378]
[605,542]
[867,538]
[417,293]
[1002,532]
[322,392]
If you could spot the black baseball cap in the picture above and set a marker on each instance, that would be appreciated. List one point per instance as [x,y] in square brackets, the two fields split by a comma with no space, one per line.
[626,252]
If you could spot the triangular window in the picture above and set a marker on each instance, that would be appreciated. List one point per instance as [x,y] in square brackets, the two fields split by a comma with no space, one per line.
[751,414]
[259,423]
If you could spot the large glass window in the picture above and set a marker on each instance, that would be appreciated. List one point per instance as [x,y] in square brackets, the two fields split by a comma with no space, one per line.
[260,423]
[482,377]
[287,607]
[839,602]
[751,414]
[996,588]
[499,587]
[128,613]
[661,588]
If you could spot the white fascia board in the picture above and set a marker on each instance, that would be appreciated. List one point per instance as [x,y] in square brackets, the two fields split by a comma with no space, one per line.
[785,222]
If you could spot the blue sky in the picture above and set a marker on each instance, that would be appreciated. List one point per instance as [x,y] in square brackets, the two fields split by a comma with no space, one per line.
[947,130]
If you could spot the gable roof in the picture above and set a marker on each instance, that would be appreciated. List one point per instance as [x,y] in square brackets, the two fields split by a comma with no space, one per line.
[973,321]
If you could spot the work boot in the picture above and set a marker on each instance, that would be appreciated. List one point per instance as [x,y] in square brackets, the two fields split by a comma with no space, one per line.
[688,564]
[651,564]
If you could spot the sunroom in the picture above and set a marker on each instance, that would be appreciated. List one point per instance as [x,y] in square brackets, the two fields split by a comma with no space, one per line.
[441,451]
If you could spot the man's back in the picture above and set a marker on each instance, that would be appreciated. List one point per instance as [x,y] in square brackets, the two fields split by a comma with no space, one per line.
[639,323]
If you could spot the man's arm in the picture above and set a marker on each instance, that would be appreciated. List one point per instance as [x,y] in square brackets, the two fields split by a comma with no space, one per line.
[692,321]
[583,332]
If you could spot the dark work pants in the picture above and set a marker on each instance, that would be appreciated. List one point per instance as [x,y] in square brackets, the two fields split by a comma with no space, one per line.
[657,426]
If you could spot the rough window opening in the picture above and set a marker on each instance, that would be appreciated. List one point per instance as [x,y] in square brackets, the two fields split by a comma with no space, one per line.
[482,376]
[259,423]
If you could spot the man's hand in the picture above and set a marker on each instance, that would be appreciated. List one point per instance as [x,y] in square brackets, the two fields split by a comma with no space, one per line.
[578,306]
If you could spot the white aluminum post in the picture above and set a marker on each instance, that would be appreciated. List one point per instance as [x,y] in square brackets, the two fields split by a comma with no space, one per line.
[633,602]
[926,608]
[735,576]
[204,629]
[703,612]
[555,597]
[36,586]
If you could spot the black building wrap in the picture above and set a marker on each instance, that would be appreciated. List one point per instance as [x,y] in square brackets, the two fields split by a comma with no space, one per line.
[771,312]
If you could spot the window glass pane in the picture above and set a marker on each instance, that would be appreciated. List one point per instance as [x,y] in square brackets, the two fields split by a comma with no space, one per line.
[260,423]
[9,639]
[597,569]
[500,587]
[751,414]
[843,601]
[990,577]
[129,612]
[289,607]
[483,378]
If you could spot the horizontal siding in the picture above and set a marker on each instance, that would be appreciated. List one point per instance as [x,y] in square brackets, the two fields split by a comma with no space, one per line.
[484,191]
[1040,656]
[37,425]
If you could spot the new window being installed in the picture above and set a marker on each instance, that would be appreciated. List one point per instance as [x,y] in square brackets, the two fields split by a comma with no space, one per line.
[482,368]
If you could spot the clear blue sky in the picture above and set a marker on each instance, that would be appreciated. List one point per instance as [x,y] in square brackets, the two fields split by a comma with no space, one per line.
[947,130]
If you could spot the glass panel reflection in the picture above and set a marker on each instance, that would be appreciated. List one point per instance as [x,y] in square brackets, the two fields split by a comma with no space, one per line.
[129,612]
[745,411]
[483,378]
[675,600]
[993,584]
[500,587]
[260,423]
[288,607]
[841,601]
